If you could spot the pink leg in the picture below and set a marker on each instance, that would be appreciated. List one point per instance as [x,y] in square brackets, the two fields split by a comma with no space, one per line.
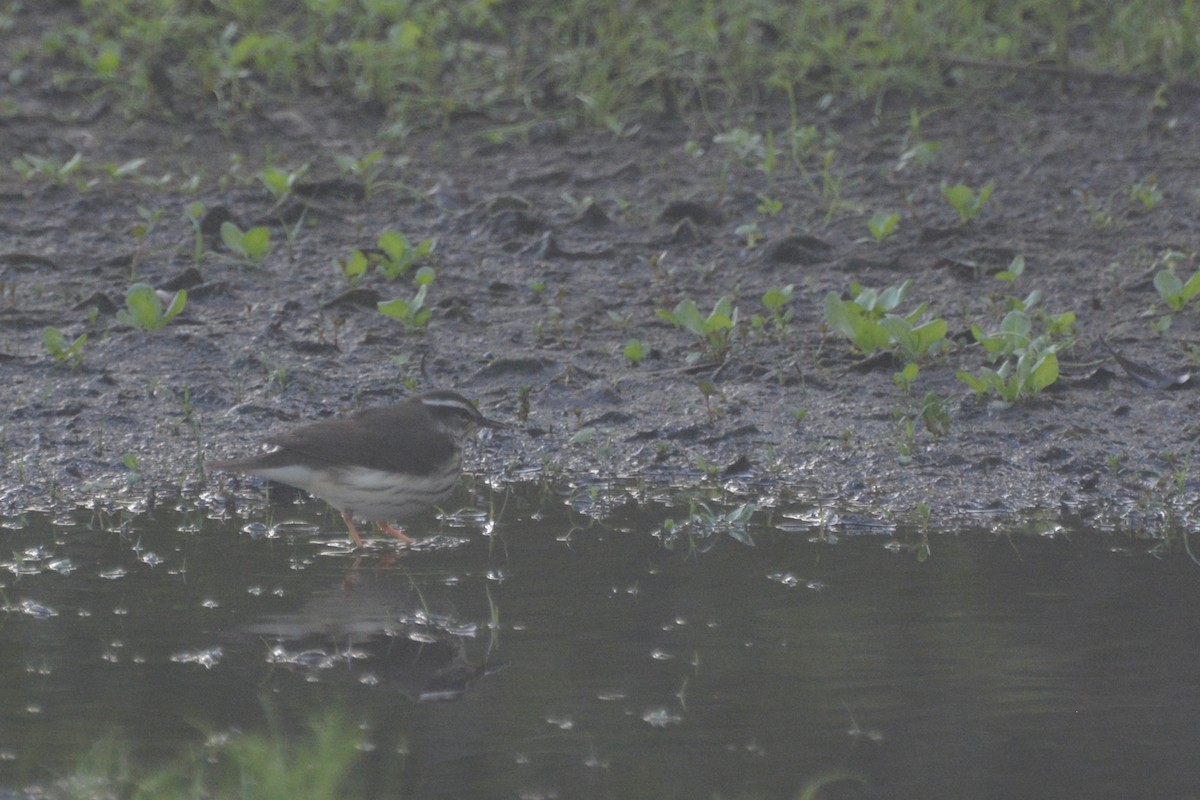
[349,520]
[392,531]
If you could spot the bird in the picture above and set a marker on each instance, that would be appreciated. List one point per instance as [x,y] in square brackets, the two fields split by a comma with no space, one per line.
[380,464]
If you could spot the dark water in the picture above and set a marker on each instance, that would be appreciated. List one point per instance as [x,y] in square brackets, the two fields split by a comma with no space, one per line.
[550,654]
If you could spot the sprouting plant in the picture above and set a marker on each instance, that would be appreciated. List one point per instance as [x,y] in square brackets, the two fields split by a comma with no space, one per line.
[1031,369]
[1098,213]
[746,146]
[57,172]
[769,206]
[144,307]
[353,267]
[61,349]
[1171,288]
[365,169]
[714,332]
[195,215]
[125,170]
[1016,268]
[1028,363]
[141,231]
[911,339]
[1145,191]
[831,184]
[412,313]
[620,321]
[775,302]
[965,201]
[251,246]
[399,255]
[709,390]
[751,233]
[770,158]
[917,150]
[703,522]
[883,224]
[868,323]
[934,414]
[635,351]
[134,465]
[281,183]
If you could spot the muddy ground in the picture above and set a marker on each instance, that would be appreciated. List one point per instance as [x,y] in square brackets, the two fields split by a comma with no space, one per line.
[555,246]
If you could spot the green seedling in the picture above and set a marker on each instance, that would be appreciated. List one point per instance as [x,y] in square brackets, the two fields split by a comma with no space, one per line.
[63,350]
[1025,376]
[746,146]
[251,246]
[867,322]
[281,183]
[905,378]
[714,332]
[1029,364]
[914,341]
[399,255]
[134,465]
[635,351]
[144,309]
[1014,335]
[353,267]
[775,302]
[1146,192]
[1097,212]
[129,168]
[882,225]
[934,414]
[107,59]
[412,313]
[1171,288]
[365,169]
[141,231]
[770,159]
[769,206]
[751,233]
[195,215]
[917,150]
[1016,268]
[57,172]
[965,202]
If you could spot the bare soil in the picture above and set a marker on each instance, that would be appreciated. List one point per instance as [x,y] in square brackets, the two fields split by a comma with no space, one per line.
[556,246]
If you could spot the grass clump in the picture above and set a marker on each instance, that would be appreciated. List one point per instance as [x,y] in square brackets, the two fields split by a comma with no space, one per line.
[247,766]
[425,60]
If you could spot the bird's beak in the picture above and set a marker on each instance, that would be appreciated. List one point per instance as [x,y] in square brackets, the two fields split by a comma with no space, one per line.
[491,423]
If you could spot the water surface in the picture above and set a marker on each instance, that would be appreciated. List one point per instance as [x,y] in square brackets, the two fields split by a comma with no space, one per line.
[541,651]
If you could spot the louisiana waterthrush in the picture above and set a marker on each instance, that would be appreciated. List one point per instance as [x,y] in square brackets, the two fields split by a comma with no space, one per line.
[380,464]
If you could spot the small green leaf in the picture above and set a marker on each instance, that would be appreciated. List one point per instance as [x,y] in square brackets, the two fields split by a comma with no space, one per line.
[231,235]
[635,352]
[256,243]
[178,302]
[394,245]
[145,306]
[882,224]
[777,297]
[396,309]
[1044,373]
